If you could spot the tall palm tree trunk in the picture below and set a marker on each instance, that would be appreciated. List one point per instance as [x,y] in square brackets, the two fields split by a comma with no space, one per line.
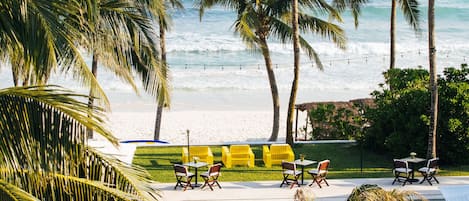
[94,70]
[431,149]
[159,109]
[273,89]
[296,63]
[392,56]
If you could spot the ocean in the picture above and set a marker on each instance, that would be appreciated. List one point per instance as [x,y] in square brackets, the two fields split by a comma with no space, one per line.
[209,61]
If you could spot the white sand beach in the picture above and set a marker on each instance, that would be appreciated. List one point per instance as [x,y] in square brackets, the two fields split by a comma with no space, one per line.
[211,117]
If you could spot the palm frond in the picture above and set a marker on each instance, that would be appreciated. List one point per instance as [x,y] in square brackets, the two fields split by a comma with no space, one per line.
[322,7]
[284,32]
[354,5]
[9,192]
[312,54]
[126,42]
[229,4]
[411,11]
[131,179]
[244,26]
[323,28]
[42,144]
[57,186]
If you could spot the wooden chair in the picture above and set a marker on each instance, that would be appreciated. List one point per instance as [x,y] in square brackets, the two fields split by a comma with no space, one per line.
[276,154]
[211,176]
[183,177]
[289,169]
[402,172]
[428,172]
[320,173]
[237,155]
[203,152]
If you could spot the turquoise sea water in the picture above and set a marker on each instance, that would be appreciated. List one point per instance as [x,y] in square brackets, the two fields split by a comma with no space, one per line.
[208,56]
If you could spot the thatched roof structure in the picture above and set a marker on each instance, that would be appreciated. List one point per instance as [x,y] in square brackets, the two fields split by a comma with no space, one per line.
[338,104]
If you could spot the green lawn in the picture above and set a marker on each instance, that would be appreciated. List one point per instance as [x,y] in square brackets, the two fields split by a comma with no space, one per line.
[345,163]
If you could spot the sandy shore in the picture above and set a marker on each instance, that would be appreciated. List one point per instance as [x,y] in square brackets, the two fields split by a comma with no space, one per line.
[204,126]
[210,116]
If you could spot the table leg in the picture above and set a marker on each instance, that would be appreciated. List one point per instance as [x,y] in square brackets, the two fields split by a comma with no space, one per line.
[412,179]
[196,175]
[302,174]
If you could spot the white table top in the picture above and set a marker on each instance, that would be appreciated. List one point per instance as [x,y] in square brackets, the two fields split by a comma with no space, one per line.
[413,160]
[304,162]
[196,165]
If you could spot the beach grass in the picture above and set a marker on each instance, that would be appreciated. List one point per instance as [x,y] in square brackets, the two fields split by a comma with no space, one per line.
[345,163]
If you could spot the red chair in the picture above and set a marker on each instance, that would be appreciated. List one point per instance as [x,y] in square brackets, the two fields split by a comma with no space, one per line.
[183,177]
[211,176]
[319,175]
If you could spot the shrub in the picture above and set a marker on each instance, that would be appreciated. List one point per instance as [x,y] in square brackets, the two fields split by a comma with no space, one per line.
[337,120]
[401,117]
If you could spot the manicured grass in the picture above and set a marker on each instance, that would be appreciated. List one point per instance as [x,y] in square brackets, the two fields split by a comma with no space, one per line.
[345,163]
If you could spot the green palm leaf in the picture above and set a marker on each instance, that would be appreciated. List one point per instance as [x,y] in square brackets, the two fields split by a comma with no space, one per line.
[411,12]
[43,151]
[9,192]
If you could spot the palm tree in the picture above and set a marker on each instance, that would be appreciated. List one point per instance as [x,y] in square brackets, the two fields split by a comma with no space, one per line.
[431,149]
[296,72]
[164,24]
[36,38]
[411,14]
[340,5]
[259,20]
[44,155]
[123,40]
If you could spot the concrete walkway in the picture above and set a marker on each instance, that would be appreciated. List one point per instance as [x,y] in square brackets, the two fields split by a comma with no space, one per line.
[339,189]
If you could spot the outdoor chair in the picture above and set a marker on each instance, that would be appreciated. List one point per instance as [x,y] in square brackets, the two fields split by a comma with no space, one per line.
[277,153]
[428,172]
[237,155]
[289,169]
[204,153]
[211,176]
[402,172]
[320,173]
[183,177]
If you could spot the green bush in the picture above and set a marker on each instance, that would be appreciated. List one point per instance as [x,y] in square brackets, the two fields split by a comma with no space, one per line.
[400,119]
[329,122]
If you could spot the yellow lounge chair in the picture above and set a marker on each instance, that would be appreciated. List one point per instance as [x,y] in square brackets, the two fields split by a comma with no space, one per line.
[237,155]
[204,153]
[277,153]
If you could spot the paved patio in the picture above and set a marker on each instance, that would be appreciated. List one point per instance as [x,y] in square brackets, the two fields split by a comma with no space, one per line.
[339,189]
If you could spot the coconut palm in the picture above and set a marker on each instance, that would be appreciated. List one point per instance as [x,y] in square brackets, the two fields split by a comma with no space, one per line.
[123,40]
[36,39]
[260,20]
[411,14]
[341,5]
[164,23]
[296,73]
[431,149]
[44,155]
